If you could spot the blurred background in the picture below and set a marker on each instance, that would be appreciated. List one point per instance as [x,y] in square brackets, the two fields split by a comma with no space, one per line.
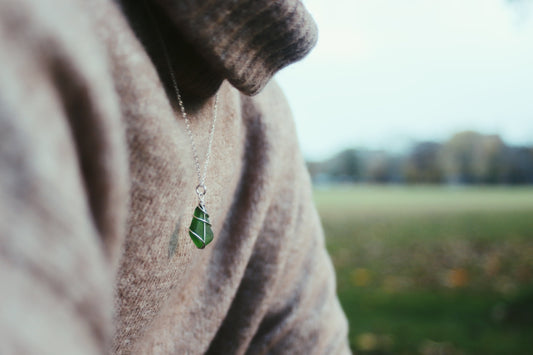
[416,122]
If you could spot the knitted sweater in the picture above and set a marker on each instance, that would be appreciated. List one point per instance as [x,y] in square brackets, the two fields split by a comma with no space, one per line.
[97,183]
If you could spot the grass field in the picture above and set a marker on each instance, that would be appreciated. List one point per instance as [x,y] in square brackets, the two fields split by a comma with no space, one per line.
[433,270]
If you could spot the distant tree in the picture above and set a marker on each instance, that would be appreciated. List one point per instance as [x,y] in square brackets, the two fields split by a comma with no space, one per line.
[490,160]
[423,164]
[376,167]
[346,165]
[315,168]
[519,165]
[458,157]
[470,157]
[466,158]
[342,167]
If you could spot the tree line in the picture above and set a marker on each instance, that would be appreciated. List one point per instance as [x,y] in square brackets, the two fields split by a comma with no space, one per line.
[466,158]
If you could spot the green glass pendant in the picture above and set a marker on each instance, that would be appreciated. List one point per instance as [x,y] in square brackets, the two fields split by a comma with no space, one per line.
[200,229]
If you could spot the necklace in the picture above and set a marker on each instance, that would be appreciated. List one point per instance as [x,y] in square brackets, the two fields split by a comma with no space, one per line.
[200,229]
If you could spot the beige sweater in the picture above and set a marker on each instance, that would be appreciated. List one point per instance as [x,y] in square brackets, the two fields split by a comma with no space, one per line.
[97,183]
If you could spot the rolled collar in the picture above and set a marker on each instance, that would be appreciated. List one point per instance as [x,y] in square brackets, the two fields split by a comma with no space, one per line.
[243,41]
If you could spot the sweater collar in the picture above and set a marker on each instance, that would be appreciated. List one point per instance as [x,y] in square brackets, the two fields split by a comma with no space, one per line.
[243,41]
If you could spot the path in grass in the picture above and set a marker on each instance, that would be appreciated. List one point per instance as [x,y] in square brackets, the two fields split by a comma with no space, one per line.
[433,270]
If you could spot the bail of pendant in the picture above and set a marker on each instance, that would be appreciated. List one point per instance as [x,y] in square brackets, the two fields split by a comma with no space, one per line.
[200,230]
[201,190]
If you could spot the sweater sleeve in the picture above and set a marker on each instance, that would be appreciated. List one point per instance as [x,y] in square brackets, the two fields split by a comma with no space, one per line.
[286,302]
[55,247]
[304,315]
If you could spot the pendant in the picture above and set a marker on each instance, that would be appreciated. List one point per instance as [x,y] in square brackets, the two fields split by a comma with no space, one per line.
[200,230]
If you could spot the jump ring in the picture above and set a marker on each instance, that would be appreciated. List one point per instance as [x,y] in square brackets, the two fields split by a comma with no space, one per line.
[201,190]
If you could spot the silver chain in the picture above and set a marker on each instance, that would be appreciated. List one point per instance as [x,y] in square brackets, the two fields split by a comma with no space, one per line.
[201,189]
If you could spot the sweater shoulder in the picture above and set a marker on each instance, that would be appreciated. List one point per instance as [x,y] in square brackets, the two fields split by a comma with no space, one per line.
[269,115]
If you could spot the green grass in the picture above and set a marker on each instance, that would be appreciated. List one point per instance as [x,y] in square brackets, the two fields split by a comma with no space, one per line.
[433,270]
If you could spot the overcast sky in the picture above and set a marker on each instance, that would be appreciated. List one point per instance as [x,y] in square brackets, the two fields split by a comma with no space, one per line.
[386,73]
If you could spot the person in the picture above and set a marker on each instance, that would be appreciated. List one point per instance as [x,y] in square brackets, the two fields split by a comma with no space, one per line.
[99,174]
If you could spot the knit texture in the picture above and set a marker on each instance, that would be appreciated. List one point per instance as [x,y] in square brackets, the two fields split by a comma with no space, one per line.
[246,40]
[97,185]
